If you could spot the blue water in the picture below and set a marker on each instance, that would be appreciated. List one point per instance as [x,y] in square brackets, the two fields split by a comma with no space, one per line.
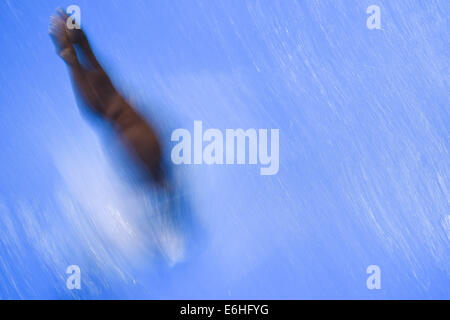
[364,152]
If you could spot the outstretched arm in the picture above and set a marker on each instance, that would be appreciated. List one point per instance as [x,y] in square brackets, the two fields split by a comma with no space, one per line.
[98,94]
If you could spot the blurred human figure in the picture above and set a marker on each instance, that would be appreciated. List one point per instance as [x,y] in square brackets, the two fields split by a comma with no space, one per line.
[98,94]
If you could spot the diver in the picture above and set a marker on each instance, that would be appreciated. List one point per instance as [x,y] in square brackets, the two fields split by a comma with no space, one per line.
[98,94]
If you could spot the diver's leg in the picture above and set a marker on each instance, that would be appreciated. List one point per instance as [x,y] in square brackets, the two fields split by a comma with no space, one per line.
[81,78]
[79,39]
[63,46]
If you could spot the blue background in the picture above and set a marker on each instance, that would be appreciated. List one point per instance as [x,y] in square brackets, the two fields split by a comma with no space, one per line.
[364,151]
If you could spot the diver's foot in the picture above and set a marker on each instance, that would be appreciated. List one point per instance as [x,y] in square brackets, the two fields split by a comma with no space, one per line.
[75,34]
[64,48]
